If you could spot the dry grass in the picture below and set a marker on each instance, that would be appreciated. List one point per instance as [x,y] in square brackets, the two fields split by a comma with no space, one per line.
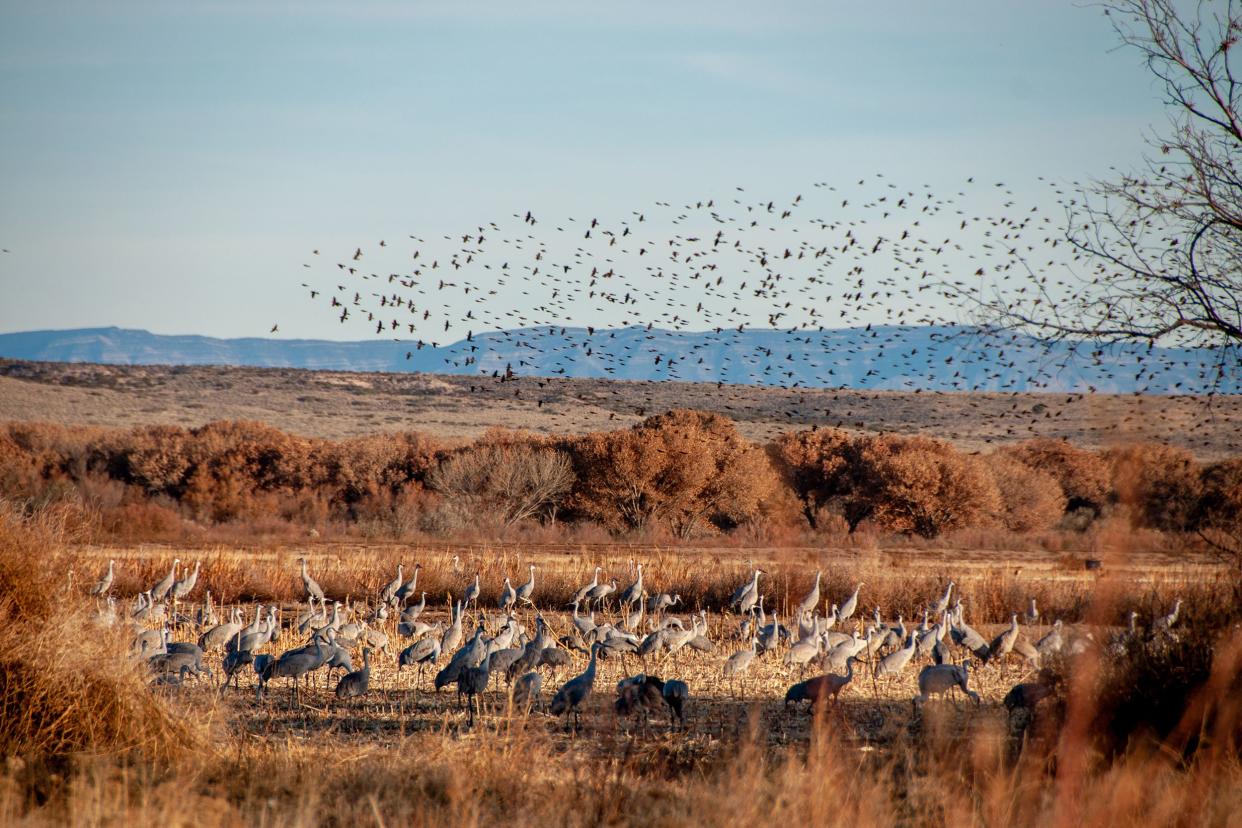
[65,686]
[334,404]
[403,755]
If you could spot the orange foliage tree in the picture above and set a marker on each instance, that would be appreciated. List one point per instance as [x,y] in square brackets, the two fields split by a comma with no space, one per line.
[818,465]
[1160,484]
[921,485]
[1082,474]
[683,469]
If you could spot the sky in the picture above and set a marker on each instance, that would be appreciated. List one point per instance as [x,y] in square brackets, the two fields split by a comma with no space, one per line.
[170,166]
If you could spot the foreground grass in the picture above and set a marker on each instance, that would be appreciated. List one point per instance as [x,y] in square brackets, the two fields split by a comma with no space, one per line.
[402,755]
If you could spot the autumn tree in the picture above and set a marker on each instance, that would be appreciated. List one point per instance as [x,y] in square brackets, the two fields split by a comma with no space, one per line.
[818,466]
[1159,248]
[512,481]
[1218,516]
[683,469]
[1083,475]
[1030,499]
[923,486]
[1161,484]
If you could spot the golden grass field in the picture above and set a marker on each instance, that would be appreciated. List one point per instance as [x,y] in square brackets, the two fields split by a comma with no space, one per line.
[335,404]
[88,740]
[405,755]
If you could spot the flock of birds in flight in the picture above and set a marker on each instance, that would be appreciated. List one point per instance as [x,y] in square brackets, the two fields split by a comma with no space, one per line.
[871,256]
[631,624]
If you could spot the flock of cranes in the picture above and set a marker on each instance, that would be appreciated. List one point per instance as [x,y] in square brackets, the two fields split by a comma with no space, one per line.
[837,642]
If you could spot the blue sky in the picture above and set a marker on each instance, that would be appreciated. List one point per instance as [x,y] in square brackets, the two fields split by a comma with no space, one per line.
[168,165]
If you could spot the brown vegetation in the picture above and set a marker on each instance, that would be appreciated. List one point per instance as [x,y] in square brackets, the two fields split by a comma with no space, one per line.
[681,474]
[130,754]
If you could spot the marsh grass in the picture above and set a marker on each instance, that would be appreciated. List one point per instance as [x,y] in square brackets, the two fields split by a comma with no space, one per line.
[87,742]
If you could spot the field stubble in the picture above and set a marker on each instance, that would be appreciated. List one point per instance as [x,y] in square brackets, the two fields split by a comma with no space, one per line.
[405,755]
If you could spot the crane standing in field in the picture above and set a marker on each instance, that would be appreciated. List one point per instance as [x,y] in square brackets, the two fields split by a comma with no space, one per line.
[355,684]
[163,585]
[309,584]
[850,605]
[575,691]
[747,595]
[104,583]
[527,589]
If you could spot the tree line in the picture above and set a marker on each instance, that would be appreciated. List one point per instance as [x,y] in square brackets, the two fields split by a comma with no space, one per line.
[682,473]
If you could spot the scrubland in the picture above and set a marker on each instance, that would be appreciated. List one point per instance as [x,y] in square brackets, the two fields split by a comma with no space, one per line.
[1141,727]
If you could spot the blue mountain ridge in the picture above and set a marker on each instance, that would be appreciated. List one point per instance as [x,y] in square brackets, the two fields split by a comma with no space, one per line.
[893,358]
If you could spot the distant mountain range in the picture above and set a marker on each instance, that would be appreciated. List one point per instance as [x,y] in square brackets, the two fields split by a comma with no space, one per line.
[896,358]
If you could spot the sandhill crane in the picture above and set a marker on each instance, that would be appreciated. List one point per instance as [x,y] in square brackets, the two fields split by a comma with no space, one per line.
[803,652]
[895,662]
[943,603]
[1031,618]
[811,600]
[308,619]
[1165,622]
[180,664]
[185,586]
[747,595]
[634,618]
[676,693]
[1028,651]
[423,652]
[660,603]
[104,583]
[600,593]
[205,616]
[770,636]
[738,664]
[389,592]
[651,645]
[584,626]
[1027,696]
[574,692]
[634,592]
[526,689]
[218,635]
[410,587]
[472,593]
[941,678]
[408,625]
[309,584]
[452,635]
[527,589]
[472,682]
[355,684]
[1052,641]
[1002,644]
[508,596]
[293,665]
[817,690]
[581,594]
[851,604]
[160,591]
[638,693]
[527,660]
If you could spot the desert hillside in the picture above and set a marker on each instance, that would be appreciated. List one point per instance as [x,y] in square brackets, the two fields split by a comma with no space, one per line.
[335,404]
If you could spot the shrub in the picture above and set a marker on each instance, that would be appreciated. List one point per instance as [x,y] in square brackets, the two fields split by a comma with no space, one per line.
[1031,500]
[924,486]
[1218,515]
[514,482]
[1159,483]
[66,685]
[683,469]
[818,465]
[1083,475]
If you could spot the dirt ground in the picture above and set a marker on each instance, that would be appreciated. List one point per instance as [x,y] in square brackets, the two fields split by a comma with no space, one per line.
[337,404]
